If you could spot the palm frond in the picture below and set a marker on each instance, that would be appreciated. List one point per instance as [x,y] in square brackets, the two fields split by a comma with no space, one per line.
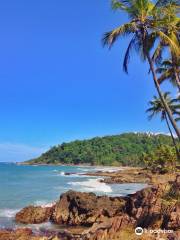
[164,76]
[127,54]
[173,43]
[110,38]
[115,4]
[177,119]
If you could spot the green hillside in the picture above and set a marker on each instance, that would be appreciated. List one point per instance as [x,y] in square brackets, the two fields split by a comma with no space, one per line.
[123,149]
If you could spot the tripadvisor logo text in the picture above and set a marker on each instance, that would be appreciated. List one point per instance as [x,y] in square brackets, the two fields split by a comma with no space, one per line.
[140,231]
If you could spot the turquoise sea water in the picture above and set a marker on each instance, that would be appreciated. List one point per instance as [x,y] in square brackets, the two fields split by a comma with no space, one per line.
[41,185]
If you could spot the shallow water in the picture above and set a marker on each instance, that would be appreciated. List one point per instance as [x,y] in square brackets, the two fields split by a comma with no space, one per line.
[41,185]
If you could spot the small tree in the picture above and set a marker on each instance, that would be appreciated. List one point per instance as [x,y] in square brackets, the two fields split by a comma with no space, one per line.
[162,160]
[157,108]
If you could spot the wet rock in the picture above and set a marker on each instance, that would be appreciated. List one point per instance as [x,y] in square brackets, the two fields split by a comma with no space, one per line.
[34,215]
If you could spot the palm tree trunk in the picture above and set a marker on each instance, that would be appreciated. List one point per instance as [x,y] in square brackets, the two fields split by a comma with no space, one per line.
[174,142]
[177,78]
[166,107]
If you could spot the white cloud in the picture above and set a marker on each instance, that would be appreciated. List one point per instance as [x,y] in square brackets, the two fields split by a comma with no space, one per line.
[15,152]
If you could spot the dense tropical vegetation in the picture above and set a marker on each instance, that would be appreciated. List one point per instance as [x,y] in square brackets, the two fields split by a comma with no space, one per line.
[125,149]
[162,160]
[154,28]
[157,108]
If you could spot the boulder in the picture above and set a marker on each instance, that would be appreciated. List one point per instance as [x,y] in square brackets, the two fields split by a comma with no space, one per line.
[76,208]
[34,215]
[145,206]
[174,218]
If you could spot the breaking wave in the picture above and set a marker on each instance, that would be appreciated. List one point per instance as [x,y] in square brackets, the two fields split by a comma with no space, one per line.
[91,185]
[8,213]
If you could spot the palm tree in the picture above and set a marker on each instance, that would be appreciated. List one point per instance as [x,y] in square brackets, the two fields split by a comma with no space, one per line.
[145,28]
[172,29]
[157,108]
[168,72]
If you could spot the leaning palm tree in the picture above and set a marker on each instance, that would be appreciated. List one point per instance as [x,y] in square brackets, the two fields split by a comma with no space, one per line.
[167,72]
[157,108]
[145,28]
[172,30]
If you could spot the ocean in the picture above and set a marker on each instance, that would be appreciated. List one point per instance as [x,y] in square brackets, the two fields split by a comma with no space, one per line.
[42,185]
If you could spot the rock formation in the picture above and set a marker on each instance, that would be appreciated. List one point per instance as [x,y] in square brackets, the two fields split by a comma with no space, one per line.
[156,207]
[34,215]
[76,208]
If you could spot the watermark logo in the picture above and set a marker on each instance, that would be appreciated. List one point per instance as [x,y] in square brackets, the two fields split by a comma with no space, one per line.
[158,232]
[139,231]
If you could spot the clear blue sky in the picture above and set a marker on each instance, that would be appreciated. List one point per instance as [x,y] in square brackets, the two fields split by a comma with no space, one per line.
[58,83]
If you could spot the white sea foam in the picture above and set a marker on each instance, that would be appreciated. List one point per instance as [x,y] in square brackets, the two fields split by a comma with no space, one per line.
[39,227]
[84,169]
[44,204]
[92,185]
[62,173]
[8,213]
[78,175]
[108,169]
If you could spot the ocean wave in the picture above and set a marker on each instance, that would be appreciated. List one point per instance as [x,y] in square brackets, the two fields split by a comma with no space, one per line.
[83,169]
[108,169]
[78,175]
[43,203]
[92,185]
[41,226]
[8,213]
[70,175]
[62,173]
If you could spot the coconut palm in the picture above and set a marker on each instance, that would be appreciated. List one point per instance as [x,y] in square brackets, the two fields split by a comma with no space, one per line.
[171,24]
[157,108]
[144,29]
[167,71]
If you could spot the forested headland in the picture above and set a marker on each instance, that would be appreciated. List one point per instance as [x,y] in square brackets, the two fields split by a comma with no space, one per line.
[124,149]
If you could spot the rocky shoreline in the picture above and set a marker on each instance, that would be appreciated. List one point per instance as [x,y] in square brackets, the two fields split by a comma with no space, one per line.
[132,175]
[89,217]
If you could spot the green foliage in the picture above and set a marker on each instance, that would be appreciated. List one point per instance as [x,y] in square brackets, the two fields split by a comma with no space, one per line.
[156,106]
[163,159]
[125,149]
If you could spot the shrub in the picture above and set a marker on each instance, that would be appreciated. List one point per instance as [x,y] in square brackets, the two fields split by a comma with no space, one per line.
[162,160]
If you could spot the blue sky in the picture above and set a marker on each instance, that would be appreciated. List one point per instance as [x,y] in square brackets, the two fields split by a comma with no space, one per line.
[57,81]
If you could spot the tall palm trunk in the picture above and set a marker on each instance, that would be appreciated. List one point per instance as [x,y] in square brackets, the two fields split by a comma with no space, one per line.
[177,78]
[174,142]
[166,107]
